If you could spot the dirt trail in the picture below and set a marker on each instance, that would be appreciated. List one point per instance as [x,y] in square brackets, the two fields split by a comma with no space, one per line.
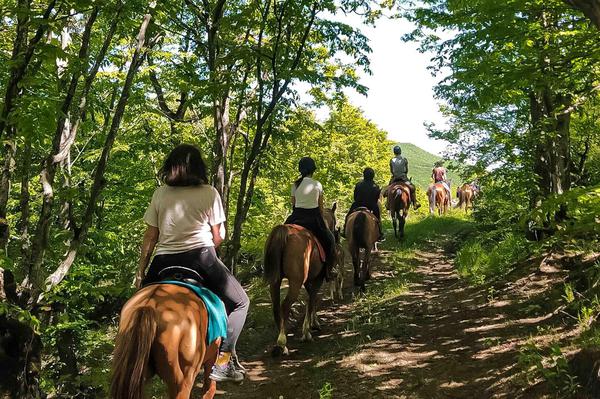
[439,338]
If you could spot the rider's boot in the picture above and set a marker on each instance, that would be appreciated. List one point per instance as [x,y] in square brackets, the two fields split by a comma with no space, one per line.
[225,370]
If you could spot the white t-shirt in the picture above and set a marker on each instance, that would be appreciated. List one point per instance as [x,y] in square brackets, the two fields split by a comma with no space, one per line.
[307,193]
[184,216]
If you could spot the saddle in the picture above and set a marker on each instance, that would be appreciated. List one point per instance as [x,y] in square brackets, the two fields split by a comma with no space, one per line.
[365,209]
[313,238]
[181,273]
[192,280]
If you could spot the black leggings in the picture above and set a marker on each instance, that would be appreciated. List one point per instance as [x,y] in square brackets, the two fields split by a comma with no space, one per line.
[217,278]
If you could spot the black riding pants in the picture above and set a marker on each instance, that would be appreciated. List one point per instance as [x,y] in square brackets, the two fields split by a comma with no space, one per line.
[217,278]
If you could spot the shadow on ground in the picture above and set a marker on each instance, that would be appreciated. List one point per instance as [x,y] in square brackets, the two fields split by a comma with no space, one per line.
[419,332]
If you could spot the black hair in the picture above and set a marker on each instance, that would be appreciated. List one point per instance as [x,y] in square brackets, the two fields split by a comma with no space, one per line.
[184,166]
[368,174]
[306,167]
[397,150]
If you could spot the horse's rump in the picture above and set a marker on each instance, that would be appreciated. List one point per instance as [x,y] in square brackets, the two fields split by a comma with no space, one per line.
[285,239]
[152,337]
[362,229]
[398,197]
[274,250]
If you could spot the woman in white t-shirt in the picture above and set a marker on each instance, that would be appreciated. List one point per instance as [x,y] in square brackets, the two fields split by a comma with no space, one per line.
[185,222]
[307,202]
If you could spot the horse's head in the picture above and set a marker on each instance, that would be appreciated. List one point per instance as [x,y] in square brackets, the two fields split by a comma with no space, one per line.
[329,216]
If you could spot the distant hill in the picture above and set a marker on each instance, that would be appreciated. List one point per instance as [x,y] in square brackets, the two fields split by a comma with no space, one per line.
[420,164]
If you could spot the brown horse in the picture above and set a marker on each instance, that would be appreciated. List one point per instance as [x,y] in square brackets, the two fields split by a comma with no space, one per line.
[163,330]
[398,203]
[293,253]
[465,196]
[438,197]
[362,233]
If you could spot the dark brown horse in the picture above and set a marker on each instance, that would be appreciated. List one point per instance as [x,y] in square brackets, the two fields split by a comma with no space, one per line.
[398,203]
[438,197]
[465,194]
[362,232]
[163,330]
[292,253]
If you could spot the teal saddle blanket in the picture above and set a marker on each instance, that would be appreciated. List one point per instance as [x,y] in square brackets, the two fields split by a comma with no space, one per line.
[217,316]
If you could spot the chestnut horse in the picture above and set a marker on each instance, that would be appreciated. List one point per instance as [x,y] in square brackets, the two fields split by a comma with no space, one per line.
[465,195]
[163,330]
[398,203]
[292,253]
[362,232]
[438,197]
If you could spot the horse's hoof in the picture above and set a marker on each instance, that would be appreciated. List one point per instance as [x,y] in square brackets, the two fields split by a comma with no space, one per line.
[307,337]
[278,351]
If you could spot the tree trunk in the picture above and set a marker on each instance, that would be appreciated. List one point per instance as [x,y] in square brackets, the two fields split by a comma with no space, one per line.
[244,202]
[551,136]
[10,147]
[47,175]
[98,182]
[23,225]
[590,8]
[21,57]
[220,148]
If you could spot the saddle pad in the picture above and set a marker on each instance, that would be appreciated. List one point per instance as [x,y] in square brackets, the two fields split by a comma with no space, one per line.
[314,239]
[217,316]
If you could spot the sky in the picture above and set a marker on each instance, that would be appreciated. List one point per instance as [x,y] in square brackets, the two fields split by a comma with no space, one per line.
[400,98]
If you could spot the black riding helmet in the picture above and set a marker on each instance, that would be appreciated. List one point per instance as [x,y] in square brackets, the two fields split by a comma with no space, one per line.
[306,166]
[397,150]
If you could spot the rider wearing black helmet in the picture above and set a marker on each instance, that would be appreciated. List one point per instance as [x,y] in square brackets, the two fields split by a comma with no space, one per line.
[307,201]
[399,171]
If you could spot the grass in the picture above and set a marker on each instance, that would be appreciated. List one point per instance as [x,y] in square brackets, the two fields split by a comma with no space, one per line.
[420,164]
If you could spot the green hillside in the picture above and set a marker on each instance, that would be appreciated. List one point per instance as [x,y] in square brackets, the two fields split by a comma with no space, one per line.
[420,164]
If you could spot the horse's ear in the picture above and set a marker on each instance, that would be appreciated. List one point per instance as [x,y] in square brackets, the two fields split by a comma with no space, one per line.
[334,207]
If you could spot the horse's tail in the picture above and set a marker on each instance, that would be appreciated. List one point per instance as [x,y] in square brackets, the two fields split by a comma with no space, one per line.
[274,254]
[359,230]
[131,355]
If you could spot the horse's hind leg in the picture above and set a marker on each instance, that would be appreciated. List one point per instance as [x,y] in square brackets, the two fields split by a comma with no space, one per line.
[209,387]
[286,306]
[367,264]
[313,289]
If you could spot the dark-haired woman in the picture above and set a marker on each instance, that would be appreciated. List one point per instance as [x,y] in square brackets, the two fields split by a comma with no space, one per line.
[185,224]
[307,203]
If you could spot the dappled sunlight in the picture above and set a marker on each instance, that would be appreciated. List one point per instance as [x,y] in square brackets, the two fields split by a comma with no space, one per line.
[418,331]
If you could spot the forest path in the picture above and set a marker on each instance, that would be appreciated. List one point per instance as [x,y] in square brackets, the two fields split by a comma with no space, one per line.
[419,332]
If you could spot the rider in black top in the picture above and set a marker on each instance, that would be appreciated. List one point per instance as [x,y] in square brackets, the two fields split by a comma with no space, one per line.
[366,194]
